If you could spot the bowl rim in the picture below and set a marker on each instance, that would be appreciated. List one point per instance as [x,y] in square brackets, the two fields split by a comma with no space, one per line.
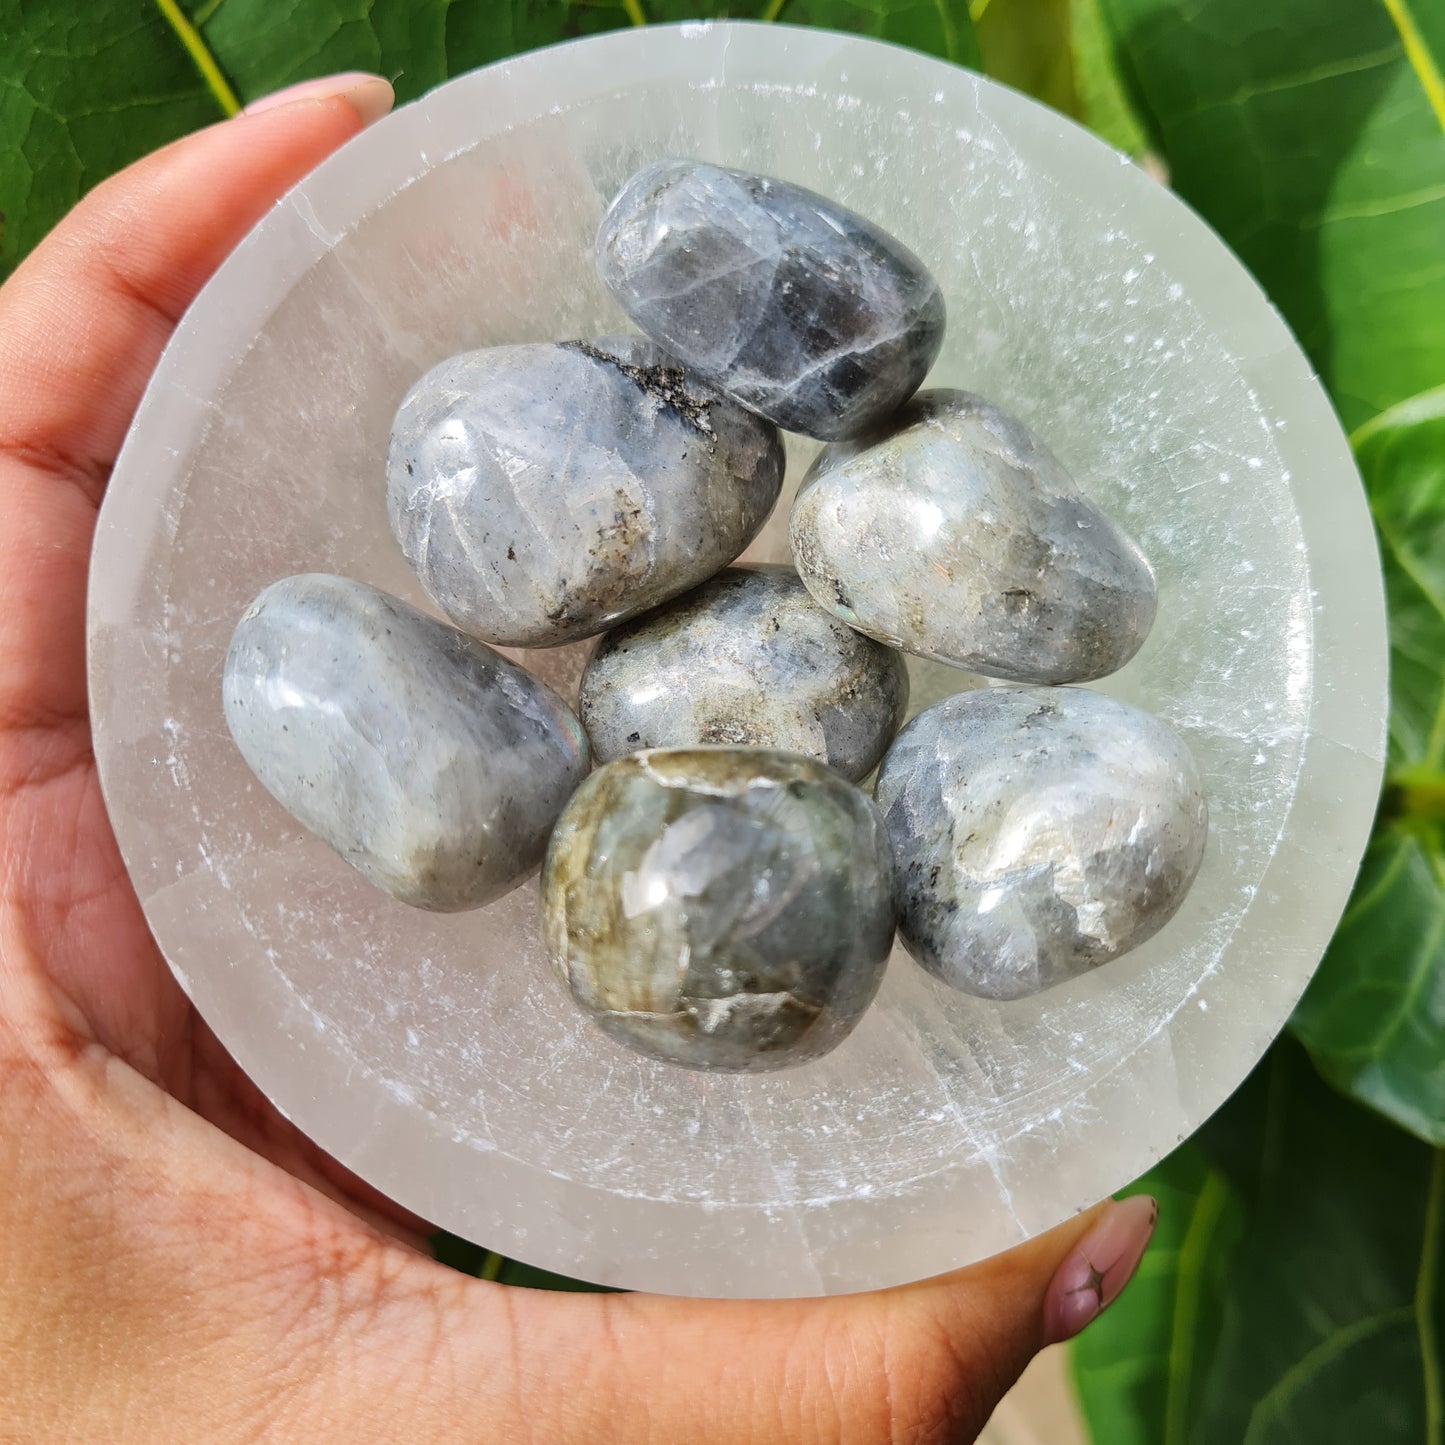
[1342,757]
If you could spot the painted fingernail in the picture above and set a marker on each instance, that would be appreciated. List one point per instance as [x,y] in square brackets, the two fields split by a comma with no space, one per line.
[1102,1263]
[369,95]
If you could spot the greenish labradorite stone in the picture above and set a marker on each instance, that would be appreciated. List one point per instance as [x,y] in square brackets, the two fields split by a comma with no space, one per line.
[722,908]
[544,492]
[954,533]
[435,767]
[1038,832]
[747,659]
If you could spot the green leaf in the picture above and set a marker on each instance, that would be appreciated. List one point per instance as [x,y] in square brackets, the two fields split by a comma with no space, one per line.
[1309,133]
[1025,44]
[1294,1292]
[79,99]
[416,45]
[1374,1016]
[480,1263]
[1104,103]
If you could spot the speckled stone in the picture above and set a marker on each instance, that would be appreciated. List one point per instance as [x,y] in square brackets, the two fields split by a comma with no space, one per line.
[433,766]
[544,492]
[723,908]
[748,659]
[955,534]
[804,311]
[1038,832]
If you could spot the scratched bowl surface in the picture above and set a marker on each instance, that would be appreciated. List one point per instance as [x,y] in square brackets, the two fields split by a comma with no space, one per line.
[437,1056]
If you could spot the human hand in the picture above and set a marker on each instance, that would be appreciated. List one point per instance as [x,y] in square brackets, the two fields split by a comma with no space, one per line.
[176,1261]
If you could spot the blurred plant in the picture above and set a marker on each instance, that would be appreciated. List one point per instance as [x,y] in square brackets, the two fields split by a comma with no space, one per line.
[1295,1289]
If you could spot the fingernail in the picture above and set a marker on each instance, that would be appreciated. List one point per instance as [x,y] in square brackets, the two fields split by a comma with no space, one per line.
[369,95]
[1102,1263]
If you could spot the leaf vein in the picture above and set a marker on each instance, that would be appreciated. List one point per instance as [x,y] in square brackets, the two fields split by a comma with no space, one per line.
[1421,969]
[1382,206]
[1271,1405]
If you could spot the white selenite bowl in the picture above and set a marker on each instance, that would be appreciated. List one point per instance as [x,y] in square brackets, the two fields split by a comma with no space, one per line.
[437,1056]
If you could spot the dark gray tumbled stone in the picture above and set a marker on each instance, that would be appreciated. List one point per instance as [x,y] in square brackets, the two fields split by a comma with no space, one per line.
[749,659]
[433,766]
[723,908]
[804,311]
[544,492]
[1037,833]
[955,534]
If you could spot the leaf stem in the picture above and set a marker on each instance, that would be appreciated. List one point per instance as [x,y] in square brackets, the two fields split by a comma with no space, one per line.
[1417,52]
[633,10]
[491,1265]
[1204,1219]
[775,8]
[1425,1285]
[205,62]
[1419,792]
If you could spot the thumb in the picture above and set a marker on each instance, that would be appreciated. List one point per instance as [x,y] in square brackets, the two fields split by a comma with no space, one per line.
[923,1362]
[987,1322]
[957,1343]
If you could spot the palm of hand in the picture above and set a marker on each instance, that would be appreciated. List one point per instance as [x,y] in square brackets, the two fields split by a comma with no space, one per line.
[163,1227]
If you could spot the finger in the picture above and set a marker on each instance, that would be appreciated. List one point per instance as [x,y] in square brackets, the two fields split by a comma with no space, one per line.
[83,320]
[82,325]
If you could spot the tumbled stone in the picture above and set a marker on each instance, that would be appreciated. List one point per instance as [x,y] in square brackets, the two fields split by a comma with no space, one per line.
[955,534]
[748,659]
[435,767]
[543,493]
[804,311]
[1038,832]
[723,908]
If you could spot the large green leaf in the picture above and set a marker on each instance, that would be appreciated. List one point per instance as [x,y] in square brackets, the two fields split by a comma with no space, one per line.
[84,90]
[1104,102]
[1374,1017]
[82,93]
[1294,1292]
[419,44]
[1025,44]
[1309,132]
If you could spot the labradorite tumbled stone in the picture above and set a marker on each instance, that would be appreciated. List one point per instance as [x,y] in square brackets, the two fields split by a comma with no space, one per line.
[434,766]
[544,492]
[955,534]
[1038,832]
[804,311]
[723,908]
[749,659]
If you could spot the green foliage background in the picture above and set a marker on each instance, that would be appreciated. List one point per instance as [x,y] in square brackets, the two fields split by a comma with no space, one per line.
[1294,1292]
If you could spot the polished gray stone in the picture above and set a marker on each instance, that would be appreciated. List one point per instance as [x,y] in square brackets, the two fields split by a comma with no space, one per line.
[544,492]
[722,908]
[1038,832]
[433,766]
[955,534]
[748,658]
[804,311]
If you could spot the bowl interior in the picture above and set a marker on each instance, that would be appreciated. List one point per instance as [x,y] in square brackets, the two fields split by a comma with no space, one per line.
[436,1056]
